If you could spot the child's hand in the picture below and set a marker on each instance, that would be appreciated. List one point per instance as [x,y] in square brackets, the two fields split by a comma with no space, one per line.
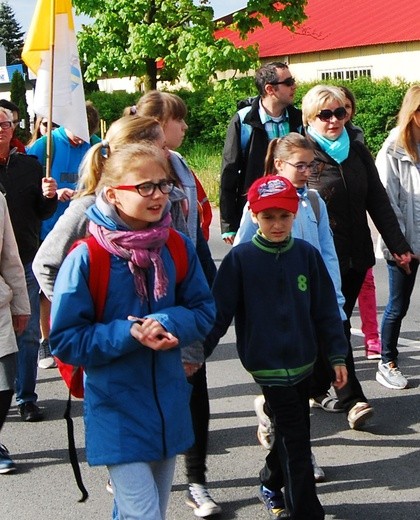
[340,376]
[151,334]
[191,368]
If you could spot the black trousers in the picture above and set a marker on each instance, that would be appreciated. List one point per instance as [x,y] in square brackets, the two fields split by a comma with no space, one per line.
[351,283]
[195,457]
[289,463]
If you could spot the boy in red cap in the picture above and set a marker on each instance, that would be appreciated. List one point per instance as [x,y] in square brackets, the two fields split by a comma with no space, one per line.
[282,298]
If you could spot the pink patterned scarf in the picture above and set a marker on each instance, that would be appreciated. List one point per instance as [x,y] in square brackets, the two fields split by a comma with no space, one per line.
[141,249]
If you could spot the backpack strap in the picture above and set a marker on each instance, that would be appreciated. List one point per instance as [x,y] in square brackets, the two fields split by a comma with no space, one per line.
[178,250]
[314,200]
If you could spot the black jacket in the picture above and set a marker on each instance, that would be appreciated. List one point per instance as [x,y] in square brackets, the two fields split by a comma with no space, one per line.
[21,178]
[351,191]
[240,169]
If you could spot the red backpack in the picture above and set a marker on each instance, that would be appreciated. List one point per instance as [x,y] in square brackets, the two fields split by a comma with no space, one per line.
[99,272]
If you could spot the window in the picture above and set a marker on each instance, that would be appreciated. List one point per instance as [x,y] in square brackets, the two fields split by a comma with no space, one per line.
[345,74]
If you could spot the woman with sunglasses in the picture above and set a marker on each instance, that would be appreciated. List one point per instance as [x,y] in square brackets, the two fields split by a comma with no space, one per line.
[348,181]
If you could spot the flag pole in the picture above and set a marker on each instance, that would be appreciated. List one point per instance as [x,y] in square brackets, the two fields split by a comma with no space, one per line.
[51,90]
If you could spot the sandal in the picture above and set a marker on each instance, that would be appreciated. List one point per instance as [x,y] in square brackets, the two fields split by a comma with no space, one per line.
[327,402]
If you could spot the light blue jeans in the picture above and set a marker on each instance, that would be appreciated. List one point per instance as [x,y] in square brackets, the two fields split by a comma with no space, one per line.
[28,344]
[142,489]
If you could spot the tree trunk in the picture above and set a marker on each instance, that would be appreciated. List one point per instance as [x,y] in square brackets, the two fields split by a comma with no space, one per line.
[150,78]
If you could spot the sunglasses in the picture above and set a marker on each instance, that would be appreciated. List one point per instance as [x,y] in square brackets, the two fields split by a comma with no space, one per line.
[289,82]
[339,113]
[147,189]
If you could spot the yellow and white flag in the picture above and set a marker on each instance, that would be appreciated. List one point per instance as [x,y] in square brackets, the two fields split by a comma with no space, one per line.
[55,17]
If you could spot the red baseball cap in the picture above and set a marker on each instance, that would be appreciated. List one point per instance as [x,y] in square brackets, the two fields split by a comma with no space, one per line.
[273,191]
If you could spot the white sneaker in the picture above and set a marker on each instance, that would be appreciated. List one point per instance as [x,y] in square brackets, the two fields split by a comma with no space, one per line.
[389,375]
[45,358]
[265,430]
[198,497]
[319,474]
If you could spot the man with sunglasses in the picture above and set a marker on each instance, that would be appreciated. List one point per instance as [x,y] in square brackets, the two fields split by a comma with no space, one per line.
[15,142]
[271,114]
[30,199]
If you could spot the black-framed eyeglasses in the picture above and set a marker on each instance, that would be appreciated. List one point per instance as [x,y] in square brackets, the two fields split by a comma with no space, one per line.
[5,125]
[339,113]
[147,189]
[301,167]
[289,82]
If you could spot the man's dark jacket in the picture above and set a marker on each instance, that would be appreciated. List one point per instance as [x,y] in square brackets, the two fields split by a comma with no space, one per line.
[21,180]
[241,168]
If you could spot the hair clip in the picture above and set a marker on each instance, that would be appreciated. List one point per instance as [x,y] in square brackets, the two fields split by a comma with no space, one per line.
[105,143]
[133,110]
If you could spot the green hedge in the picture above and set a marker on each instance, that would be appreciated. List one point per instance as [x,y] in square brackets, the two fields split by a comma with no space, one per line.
[211,108]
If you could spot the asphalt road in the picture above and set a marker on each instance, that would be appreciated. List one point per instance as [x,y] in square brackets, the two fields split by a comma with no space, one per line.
[371,475]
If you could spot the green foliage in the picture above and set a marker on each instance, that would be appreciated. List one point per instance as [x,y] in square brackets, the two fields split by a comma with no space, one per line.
[289,13]
[18,97]
[131,37]
[206,161]
[111,106]
[11,34]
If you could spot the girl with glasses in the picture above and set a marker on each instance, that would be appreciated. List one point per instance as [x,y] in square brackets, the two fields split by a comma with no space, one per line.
[135,380]
[349,183]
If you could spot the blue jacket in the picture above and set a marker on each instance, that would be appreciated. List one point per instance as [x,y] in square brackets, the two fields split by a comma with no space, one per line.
[64,168]
[136,399]
[308,228]
[282,300]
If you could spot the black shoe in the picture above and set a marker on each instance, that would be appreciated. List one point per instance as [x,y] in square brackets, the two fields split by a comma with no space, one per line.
[6,463]
[30,412]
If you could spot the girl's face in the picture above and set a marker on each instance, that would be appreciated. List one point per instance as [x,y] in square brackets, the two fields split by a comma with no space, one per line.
[137,211]
[174,130]
[275,224]
[299,160]
[331,128]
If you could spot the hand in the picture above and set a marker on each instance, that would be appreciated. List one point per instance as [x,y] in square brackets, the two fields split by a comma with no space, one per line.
[403,261]
[65,194]
[191,368]
[150,333]
[340,376]
[49,187]
[20,322]
[229,239]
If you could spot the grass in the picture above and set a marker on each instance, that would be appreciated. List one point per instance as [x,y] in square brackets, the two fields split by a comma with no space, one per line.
[206,162]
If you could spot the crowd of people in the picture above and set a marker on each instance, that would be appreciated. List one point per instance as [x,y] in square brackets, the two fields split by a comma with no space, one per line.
[297,188]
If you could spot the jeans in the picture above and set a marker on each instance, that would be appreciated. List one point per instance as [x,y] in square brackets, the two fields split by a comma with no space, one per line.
[142,489]
[28,345]
[195,457]
[401,286]
[289,462]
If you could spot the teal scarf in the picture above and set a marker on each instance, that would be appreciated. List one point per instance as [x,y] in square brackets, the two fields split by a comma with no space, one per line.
[338,149]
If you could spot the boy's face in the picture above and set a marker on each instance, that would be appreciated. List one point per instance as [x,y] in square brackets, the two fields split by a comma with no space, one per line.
[275,223]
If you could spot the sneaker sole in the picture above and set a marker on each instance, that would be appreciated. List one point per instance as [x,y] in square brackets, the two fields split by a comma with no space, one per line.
[47,363]
[360,421]
[7,470]
[205,512]
[384,382]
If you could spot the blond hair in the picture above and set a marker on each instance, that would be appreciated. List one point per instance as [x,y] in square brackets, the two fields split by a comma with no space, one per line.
[123,159]
[162,105]
[410,105]
[123,131]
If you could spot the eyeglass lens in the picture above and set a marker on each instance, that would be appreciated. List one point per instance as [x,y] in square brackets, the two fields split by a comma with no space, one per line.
[339,113]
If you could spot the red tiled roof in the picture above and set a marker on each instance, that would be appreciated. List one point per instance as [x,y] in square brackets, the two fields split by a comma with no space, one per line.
[337,25]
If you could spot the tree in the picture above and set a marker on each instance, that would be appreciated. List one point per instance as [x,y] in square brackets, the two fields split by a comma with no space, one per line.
[11,34]
[134,37]
[18,97]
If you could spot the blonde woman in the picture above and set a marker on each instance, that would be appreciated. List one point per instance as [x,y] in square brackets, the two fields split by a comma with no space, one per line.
[398,163]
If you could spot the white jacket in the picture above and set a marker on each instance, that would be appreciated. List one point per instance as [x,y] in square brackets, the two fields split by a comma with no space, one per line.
[401,178]
[13,293]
